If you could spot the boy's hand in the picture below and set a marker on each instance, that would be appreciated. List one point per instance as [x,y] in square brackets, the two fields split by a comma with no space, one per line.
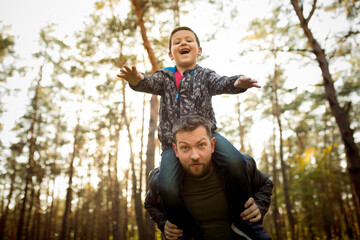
[131,75]
[171,231]
[252,212]
[245,82]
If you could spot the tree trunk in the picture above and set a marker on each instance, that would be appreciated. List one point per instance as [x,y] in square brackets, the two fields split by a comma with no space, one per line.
[283,165]
[116,196]
[30,213]
[77,218]
[67,213]
[30,167]
[46,214]
[3,218]
[340,114]
[139,14]
[124,210]
[135,193]
[275,207]
[241,127]
[150,154]
[109,198]
[36,222]
[176,13]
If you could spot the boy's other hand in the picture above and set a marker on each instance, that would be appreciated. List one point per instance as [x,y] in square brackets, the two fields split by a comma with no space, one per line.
[246,82]
[131,75]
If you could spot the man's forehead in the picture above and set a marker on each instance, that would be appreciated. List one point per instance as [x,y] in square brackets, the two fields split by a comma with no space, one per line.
[196,135]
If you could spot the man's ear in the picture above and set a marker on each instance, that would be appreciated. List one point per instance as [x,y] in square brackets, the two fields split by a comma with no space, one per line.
[175,150]
[212,141]
[171,56]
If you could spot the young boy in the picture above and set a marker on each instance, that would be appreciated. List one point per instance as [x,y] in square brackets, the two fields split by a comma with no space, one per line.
[187,89]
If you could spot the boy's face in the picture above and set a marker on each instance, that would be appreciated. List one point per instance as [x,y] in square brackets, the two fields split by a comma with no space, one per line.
[184,50]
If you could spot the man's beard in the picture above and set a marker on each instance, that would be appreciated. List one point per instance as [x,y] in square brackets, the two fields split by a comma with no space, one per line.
[205,171]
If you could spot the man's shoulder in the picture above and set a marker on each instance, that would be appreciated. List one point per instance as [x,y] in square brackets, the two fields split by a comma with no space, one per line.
[153,177]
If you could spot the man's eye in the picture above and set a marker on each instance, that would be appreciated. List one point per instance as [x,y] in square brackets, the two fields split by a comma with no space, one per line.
[202,145]
[184,147]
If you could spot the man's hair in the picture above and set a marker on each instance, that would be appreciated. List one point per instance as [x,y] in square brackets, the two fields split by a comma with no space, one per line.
[190,123]
[180,29]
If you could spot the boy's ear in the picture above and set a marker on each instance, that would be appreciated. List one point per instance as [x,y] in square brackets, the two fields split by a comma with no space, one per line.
[199,52]
[171,56]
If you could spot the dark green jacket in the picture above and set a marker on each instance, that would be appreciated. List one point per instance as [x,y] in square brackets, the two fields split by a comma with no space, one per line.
[261,188]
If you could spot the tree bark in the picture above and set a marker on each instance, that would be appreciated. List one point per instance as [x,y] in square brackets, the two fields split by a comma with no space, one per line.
[3,218]
[31,164]
[241,127]
[283,165]
[67,213]
[30,213]
[340,114]
[136,195]
[150,153]
[275,207]
[139,14]
[116,196]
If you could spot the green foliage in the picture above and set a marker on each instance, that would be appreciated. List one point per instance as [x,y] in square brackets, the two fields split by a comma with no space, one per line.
[6,46]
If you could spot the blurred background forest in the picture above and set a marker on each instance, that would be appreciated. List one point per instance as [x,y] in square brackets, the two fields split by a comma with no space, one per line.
[74,164]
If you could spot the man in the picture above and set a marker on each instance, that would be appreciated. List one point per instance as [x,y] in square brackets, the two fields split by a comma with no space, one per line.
[209,208]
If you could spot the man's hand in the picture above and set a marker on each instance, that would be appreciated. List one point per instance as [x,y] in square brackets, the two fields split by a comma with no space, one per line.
[131,75]
[245,82]
[171,231]
[252,212]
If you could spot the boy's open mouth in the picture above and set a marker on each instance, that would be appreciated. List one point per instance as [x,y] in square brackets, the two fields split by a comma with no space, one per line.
[184,51]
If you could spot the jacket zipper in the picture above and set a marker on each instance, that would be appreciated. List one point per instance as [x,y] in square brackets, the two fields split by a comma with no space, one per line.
[178,100]
[178,92]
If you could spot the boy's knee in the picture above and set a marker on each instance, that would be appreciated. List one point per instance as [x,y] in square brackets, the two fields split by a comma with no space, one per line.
[237,163]
[168,190]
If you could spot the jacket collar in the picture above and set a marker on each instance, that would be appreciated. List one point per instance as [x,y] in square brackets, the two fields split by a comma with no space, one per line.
[173,69]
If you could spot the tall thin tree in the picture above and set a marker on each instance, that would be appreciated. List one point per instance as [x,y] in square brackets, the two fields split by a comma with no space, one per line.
[341,114]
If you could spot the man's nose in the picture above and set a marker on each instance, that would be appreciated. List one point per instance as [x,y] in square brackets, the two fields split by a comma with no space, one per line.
[194,155]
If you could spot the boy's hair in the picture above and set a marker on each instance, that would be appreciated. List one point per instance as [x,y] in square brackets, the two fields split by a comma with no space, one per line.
[190,123]
[180,29]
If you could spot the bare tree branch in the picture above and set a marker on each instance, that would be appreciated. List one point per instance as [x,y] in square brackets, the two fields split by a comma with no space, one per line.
[311,12]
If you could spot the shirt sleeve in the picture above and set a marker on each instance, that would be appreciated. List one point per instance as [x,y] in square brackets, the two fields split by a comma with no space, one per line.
[261,185]
[152,83]
[152,201]
[222,84]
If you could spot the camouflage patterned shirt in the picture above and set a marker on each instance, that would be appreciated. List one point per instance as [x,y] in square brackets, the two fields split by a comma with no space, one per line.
[194,96]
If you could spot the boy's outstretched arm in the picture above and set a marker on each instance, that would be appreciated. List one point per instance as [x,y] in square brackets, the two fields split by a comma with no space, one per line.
[131,75]
[246,82]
